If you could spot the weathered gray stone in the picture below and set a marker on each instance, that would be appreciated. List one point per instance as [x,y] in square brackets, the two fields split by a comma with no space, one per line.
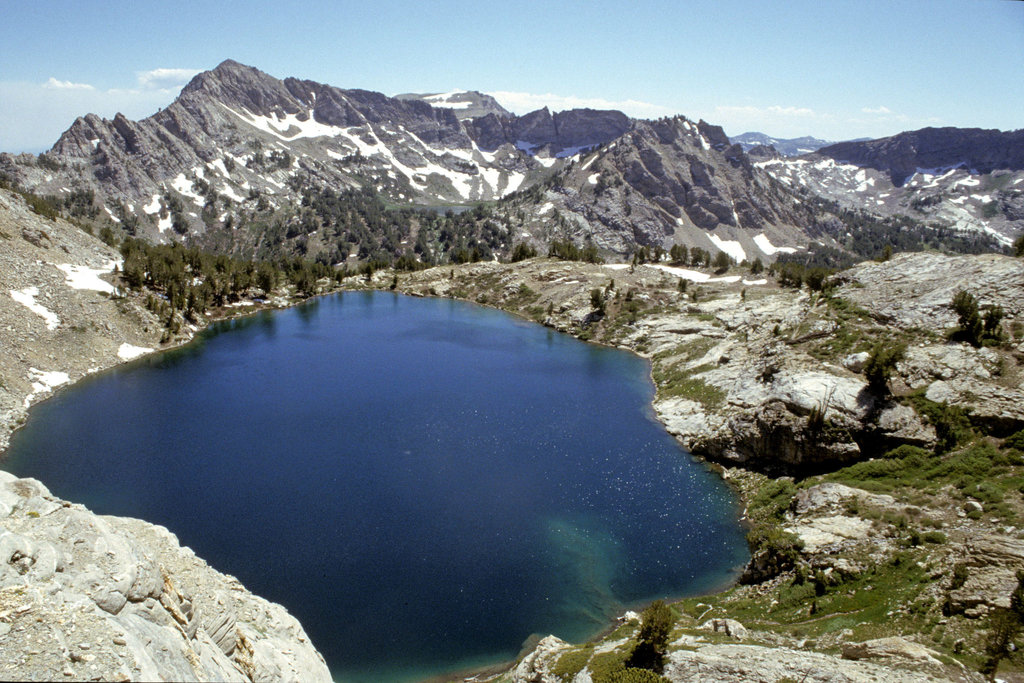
[889,647]
[729,627]
[855,362]
[118,584]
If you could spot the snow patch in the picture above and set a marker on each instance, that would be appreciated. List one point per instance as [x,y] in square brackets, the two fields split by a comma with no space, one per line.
[164,224]
[230,193]
[547,206]
[685,273]
[592,178]
[153,206]
[289,127]
[184,186]
[27,298]
[127,352]
[84,277]
[731,247]
[768,248]
[444,100]
[218,165]
[111,214]
[44,382]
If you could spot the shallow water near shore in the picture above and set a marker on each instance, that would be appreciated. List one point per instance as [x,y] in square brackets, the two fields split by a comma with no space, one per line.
[423,483]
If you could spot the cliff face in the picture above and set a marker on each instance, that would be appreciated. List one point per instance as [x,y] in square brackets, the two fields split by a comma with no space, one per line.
[109,598]
[932,148]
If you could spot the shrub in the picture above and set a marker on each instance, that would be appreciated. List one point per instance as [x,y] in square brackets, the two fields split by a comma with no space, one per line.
[522,252]
[773,499]
[966,308]
[1015,441]
[634,676]
[790,274]
[652,640]
[881,363]
[960,574]
[815,278]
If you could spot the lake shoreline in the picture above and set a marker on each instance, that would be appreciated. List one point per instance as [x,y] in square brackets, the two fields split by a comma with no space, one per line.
[243,312]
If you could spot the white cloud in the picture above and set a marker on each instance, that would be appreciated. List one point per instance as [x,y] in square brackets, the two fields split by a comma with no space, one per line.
[876,110]
[524,102]
[791,111]
[54,84]
[772,112]
[165,78]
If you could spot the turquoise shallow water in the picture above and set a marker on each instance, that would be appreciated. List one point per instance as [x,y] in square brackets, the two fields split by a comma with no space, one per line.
[423,483]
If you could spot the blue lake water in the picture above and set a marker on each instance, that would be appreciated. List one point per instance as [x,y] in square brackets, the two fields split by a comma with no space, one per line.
[423,483]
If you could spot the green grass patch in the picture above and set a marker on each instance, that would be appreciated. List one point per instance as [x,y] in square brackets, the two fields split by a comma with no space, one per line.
[572,662]
[679,381]
[980,471]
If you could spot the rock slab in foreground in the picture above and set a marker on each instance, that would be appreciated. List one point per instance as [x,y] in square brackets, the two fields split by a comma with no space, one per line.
[84,596]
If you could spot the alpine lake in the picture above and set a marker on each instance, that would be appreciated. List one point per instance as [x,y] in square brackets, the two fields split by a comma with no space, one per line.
[423,483]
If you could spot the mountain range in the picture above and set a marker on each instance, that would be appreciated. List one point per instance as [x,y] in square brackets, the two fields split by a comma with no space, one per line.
[241,155]
[785,146]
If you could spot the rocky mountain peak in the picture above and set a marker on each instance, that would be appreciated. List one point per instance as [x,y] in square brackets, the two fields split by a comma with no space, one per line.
[240,86]
[467,104]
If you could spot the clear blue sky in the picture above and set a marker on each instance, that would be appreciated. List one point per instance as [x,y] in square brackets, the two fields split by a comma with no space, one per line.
[834,69]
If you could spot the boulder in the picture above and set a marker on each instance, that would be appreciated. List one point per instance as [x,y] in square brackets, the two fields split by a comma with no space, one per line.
[855,362]
[893,647]
[729,627]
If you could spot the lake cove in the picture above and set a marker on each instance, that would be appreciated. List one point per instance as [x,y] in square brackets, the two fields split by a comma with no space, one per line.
[424,483]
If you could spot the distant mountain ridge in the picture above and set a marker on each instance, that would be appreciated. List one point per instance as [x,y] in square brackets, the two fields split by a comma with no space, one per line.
[241,148]
[235,130]
[238,140]
[902,155]
[785,146]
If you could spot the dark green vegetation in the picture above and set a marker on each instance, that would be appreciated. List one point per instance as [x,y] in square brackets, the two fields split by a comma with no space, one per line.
[639,660]
[864,235]
[183,283]
[973,327]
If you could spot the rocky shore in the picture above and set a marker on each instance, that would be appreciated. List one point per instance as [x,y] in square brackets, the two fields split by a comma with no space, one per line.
[90,597]
[847,582]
